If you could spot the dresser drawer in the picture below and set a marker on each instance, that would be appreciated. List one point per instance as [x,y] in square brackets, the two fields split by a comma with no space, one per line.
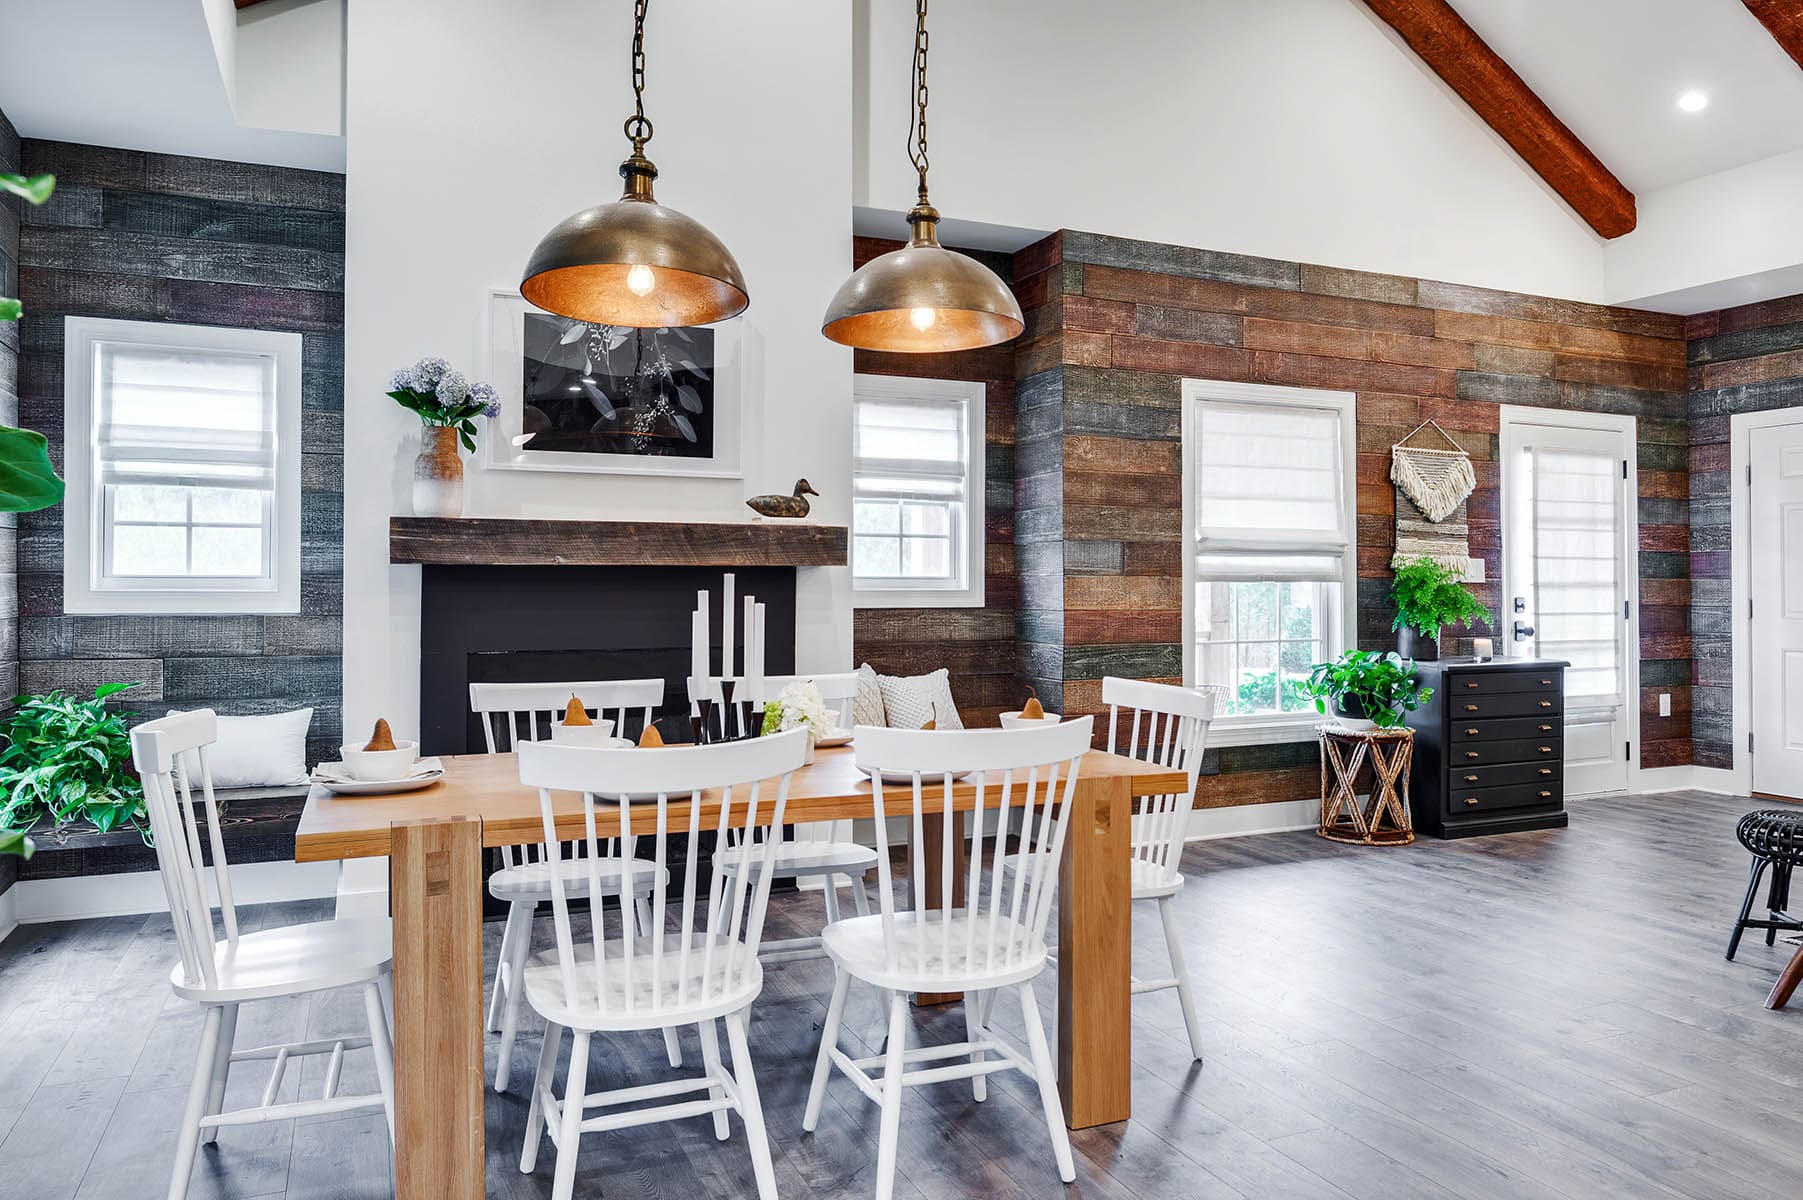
[1522,795]
[1486,683]
[1477,754]
[1500,704]
[1495,729]
[1540,773]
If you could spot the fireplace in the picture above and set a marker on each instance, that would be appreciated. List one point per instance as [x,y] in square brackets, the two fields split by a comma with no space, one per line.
[486,623]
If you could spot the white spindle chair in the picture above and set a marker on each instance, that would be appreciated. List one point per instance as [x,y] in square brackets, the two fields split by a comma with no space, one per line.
[512,715]
[821,850]
[1023,779]
[1167,725]
[697,963]
[221,973]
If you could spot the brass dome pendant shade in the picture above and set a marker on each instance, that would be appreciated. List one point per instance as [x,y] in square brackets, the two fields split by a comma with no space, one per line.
[923,298]
[635,262]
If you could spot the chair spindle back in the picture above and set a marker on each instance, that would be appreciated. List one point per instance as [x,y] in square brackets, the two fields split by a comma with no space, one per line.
[1166,725]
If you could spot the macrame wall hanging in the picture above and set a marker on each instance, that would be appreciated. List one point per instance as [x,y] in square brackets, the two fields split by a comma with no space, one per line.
[1432,486]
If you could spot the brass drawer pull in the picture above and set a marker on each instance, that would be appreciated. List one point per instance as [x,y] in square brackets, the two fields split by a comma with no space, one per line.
[1471,708]
[1546,704]
[1546,770]
[1471,779]
[1544,795]
[1546,729]
[1470,732]
[1471,754]
[1546,749]
[1471,799]
[1471,683]
[1546,683]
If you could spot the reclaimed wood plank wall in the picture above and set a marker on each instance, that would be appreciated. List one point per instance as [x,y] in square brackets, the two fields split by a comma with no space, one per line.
[157,237]
[9,415]
[1114,326]
[1747,359]
[976,644]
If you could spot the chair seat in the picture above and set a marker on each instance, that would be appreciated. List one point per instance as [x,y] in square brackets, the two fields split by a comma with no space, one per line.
[294,960]
[796,859]
[856,945]
[545,990]
[532,881]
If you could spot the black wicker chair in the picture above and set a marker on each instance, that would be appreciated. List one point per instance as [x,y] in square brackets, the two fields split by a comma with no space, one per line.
[1774,836]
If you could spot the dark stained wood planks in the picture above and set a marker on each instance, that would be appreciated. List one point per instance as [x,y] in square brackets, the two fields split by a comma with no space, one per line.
[1454,52]
[494,541]
[1784,20]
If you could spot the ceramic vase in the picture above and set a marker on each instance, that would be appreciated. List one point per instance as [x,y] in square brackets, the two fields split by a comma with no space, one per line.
[1417,646]
[438,474]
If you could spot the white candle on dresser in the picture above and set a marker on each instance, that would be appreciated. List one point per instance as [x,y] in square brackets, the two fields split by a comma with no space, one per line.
[698,651]
[751,641]
[1481,647]
[726,670]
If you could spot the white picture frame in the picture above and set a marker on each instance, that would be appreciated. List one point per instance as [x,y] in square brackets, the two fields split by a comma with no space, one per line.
[503,340]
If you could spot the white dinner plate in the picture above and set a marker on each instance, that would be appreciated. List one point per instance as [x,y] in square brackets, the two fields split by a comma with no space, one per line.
[838,737]
[378,787]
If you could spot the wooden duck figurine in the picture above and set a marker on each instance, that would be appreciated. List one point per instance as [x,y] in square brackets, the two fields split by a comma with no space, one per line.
[794,505]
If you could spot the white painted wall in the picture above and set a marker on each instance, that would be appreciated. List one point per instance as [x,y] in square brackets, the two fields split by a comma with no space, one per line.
[1297,129]
[472,128]
[290,66]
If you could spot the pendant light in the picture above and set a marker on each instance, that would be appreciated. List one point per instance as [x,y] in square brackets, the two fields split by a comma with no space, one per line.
[922,298]
[635,262]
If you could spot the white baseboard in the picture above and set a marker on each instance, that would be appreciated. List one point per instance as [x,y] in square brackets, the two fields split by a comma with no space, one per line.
[1246,820]
[1691,778]
[83,896]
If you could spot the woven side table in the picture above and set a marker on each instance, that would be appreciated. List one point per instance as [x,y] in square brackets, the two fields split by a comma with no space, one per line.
[1383,820]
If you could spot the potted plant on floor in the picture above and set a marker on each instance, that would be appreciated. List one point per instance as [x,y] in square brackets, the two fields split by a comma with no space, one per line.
[1428,596]
[1378,686]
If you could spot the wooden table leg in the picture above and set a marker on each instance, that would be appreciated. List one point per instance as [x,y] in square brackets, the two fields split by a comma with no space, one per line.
[929,857]
[1787,981]
[435,894]
[1095,960]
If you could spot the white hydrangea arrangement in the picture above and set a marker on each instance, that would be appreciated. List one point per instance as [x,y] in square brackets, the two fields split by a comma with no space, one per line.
[797,706]
[439,394]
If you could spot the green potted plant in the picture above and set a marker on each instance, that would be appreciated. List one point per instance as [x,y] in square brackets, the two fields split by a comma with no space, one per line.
[1429,596]
[66,760]
[1379,686]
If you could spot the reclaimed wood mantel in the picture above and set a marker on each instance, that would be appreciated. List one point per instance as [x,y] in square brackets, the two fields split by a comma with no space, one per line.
[508,542]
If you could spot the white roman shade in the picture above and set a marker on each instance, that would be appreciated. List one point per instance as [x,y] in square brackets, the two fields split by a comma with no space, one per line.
[1576,511]
[1271,493]
[910,449]
[185,417]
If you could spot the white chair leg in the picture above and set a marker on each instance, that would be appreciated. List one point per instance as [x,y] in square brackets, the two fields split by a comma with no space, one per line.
[382,1046]
[1048,1084]
[535,1113]
[569,1133]
[1174,944]
[750,1107]
[672,1045]
[222,1063]
[831,884]
[518,952]
[858,899]
[973,1032]
[188,1136]
[519,924]
[710,1058]
[829,1037]
[889,1136]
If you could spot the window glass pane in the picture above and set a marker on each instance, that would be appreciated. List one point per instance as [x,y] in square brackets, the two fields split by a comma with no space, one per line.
[927,518]
[146,502]
[1260,640]
[1256,607]
[878,557]
[228,552]
[228,506]
[150,550]
[876,516]
[927,558]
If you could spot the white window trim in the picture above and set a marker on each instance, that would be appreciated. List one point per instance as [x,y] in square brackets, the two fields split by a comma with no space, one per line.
[970,594]
[82,506]
[1298,727]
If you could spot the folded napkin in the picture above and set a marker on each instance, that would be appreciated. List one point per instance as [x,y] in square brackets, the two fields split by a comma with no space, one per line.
[335,772]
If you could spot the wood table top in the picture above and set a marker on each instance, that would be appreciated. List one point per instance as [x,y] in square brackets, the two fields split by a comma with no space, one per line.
[487,787]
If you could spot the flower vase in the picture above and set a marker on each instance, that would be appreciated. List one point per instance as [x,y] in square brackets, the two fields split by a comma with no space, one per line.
[438,474]
[809,760]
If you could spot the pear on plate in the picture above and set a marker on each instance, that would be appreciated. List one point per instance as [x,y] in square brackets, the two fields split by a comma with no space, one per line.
[575,714]
[381,738]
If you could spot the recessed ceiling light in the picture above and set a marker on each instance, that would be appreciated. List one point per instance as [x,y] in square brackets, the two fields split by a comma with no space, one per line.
[1693,101]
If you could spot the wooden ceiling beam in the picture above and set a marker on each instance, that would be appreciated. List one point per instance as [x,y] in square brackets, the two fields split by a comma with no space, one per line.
[1454,52]
[1783,19]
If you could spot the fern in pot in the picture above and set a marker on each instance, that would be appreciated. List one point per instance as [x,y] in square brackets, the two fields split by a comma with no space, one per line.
[1428,597]
[1379,686]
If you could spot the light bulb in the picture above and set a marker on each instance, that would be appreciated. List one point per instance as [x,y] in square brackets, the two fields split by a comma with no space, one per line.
[1693,101]
[640,280]
[923,318]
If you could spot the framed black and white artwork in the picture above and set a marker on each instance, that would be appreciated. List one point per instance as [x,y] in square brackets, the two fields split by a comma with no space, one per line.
[582,397]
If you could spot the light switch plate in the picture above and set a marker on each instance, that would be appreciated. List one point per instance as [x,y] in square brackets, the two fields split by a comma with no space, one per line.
[1474,570]
[1665,704]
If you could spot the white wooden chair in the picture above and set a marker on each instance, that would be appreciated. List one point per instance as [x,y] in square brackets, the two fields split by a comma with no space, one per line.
[819,850]
[220,974]
[1024,779]
[1166,725]
[514,714]
[681,972]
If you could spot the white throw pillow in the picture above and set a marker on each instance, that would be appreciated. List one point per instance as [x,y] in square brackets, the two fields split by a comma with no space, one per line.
[909,702]
[867,704]
[268,751]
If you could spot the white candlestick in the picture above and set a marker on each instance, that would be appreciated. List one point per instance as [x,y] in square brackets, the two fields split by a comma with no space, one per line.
[758,669]
[698,649]
[726,671]
[751,606]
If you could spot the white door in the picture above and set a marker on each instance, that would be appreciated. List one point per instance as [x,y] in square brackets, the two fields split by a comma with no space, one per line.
[1569,566]
[1776,628]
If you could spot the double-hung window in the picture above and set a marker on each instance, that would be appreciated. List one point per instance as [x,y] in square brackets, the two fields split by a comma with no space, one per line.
[917,492]
[182,459]
[1271,573]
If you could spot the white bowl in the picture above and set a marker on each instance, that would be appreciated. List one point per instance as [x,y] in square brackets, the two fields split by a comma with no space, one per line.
[597,733]
[1013,720]
[374,765]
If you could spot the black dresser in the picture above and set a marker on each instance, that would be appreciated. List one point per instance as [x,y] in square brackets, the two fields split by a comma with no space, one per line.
[1489,756]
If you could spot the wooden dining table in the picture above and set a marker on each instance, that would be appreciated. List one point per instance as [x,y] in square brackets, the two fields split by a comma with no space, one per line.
[434,840]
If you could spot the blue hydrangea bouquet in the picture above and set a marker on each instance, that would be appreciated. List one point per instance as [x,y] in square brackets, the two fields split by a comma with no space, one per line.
[442,396]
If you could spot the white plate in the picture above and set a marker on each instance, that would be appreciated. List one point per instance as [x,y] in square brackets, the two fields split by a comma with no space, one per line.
[838,737]
[906,778]
[378,787]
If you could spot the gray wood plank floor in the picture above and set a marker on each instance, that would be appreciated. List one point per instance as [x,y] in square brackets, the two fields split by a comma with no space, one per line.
[1536,1015]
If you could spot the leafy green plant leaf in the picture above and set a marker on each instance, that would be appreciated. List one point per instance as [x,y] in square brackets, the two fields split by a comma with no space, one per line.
[68,760]
[1429,596]
[10,309]
[27,480]
[1380,686]
[111,689]
[14,844]
[35,189]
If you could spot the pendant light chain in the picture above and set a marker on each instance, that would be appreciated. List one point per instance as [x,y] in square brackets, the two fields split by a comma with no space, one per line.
[638,126]
[917,120]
